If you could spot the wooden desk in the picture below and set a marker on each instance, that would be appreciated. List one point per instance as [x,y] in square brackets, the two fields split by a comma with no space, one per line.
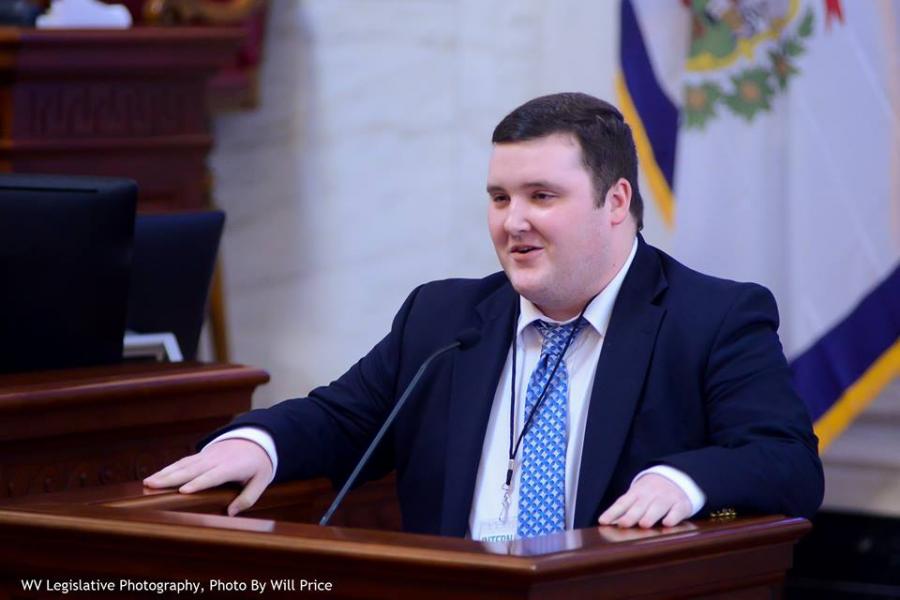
[75,428]
[135,535]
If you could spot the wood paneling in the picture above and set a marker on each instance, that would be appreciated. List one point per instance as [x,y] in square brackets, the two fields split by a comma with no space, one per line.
[74,428]
[128,103]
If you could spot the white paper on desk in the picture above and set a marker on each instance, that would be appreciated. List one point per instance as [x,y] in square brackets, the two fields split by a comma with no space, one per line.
[161,347]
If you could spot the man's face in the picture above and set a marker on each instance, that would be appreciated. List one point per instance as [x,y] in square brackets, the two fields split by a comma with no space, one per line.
[550,236]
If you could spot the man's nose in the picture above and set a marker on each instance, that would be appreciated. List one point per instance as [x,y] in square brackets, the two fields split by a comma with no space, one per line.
[516,221]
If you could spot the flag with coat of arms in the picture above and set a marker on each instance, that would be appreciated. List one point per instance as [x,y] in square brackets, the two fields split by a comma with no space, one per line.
[769,136]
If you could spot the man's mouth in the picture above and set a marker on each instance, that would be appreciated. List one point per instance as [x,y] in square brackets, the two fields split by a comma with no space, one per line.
[523,249]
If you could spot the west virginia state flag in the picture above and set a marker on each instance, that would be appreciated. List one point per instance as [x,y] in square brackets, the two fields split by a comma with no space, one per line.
[769,132]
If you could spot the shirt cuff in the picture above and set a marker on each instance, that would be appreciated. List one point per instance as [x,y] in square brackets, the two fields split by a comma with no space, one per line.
[256,435]
[682,480]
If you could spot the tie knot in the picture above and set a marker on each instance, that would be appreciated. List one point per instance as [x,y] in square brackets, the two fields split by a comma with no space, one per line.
[555,336]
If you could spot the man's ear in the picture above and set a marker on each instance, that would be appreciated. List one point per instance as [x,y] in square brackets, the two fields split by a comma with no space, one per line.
[618,199]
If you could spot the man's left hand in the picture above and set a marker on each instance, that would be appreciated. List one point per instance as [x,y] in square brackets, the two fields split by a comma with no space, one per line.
[650,498]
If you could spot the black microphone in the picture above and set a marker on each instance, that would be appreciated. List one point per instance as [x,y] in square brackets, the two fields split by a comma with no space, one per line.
[466,339]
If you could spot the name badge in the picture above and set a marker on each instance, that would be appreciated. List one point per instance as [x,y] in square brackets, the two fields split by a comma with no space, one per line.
[495,530]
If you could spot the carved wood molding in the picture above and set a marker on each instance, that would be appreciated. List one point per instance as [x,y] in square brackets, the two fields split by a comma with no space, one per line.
[87,110]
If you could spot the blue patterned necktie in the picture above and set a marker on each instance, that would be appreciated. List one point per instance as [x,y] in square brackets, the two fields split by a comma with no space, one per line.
[542,495]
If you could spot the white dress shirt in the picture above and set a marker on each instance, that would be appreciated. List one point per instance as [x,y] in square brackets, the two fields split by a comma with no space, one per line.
[581,363]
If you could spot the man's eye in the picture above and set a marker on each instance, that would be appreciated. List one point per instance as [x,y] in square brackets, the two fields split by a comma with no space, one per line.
[543,196]
[499,198]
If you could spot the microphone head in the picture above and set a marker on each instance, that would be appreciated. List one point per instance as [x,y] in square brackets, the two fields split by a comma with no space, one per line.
[468,338]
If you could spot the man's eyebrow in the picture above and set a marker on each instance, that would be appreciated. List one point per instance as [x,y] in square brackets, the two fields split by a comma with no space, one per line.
[528,185]
[540,184]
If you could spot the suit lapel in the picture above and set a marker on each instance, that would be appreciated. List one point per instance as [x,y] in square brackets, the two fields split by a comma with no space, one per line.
[476,372]
[620,376]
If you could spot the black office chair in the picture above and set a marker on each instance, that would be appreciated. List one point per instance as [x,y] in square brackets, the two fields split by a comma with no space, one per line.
[174,258]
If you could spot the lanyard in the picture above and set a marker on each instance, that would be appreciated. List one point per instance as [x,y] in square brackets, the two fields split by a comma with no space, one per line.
[514,447]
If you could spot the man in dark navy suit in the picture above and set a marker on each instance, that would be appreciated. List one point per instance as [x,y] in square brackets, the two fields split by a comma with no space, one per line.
[610,383]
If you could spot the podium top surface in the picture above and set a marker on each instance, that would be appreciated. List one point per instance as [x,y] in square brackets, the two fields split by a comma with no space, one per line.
[160,514]
[168,50]
[35,389]
[145,34]
[129,531]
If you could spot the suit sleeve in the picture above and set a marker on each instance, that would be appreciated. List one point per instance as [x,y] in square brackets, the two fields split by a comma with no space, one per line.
[324,434]
[762,453]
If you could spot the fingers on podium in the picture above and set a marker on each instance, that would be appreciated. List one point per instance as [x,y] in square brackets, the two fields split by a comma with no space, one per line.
[250,494]
[649,499]
[173,475]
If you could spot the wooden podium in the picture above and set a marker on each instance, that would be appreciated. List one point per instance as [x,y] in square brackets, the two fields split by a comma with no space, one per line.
[126,535]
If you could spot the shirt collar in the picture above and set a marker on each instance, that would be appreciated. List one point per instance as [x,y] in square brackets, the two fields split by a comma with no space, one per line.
[598,312]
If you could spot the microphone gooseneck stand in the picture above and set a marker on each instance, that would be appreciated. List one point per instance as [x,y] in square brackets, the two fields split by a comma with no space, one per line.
[466,339]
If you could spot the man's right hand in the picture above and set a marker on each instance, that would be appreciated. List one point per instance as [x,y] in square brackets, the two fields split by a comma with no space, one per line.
[233,459]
